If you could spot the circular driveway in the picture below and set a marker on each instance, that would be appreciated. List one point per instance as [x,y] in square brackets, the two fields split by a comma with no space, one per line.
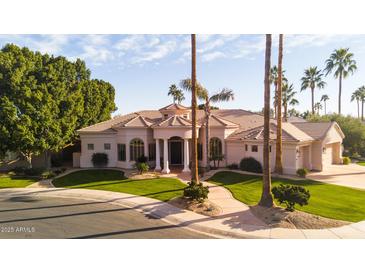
[47,217]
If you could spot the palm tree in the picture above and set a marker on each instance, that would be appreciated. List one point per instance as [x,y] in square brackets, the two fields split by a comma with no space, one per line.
[341,63]
[288,99]
[266,196]
[279,131]
[317,107]
[324,99]
[362,97]
[194,156]
[274,77]
[177,94]
[224,95]
[312,78]
[356,95]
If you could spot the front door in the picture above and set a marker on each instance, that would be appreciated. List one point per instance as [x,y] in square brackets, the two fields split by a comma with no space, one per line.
[176,152]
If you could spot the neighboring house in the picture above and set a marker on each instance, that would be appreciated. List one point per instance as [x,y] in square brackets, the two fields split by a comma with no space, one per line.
[164,136]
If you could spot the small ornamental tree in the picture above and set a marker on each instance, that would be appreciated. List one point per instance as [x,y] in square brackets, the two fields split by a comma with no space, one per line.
[196,191]
[250,164]
[291,195]
[100,159]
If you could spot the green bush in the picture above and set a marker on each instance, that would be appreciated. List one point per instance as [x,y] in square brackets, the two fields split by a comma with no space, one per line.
[233,166]
[142,159]
[196,191]
[291,195]
[142,167]
[33,171]
[100,159]
[48,174]
[346,160]
[251,164]
[19,170]
[302,172]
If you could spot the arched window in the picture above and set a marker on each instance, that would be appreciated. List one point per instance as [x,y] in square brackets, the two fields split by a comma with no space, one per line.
[215,147]
[136,148]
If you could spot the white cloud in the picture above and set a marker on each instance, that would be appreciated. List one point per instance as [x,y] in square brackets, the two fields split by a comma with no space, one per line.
[212,56]
[158,52]
[51,44]
[96,55]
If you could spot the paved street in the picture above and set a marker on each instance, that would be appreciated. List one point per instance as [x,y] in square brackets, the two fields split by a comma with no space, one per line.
[45,217]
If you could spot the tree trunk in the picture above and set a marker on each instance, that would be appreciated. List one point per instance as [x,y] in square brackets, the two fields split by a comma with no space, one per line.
[358,108]
[286,112]
[312,90]
[28,158]
[325,108]
[207,135]
[339,92]
[266,197]
[194,156]
[362,110]
[279,142]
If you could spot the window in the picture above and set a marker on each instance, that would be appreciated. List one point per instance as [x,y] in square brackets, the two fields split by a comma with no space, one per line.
[90,146]
[165,116]
[185,116]
[136,147]
[152,152]
[270,148]
[200,152]
[106,146]
[215,147]
[246,147]
[121,152]
[254,148]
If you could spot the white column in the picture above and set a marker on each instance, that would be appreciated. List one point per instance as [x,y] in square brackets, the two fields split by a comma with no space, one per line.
[165,156]
[186,156]
[158,164]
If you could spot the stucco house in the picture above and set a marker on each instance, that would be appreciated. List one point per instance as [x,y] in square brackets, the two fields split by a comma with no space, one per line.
[164,136]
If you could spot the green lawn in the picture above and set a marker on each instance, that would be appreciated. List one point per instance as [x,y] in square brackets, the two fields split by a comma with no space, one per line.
[162,189]
[11,182]
[362,163]
[336,202]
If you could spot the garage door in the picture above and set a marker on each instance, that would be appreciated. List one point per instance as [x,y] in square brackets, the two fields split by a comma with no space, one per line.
[327,156]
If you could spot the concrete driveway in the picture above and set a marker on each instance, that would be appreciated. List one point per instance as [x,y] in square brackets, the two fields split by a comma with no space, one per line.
[351,175]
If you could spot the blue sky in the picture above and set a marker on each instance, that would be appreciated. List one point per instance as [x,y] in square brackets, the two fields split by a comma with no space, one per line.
[142,67]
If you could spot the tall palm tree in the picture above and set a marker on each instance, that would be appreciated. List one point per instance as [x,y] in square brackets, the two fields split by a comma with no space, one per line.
[362,99]
[342,64]
[312,79]
[274,77]
[224,95]
[279,131]
[317,107]
[324,99]
[194,156]
[177,94]
[266,196]
[288,99]
[356,95]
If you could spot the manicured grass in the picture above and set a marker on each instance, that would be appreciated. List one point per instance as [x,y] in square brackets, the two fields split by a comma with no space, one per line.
[11,182]
[162,189]
[362,163]
[332,201]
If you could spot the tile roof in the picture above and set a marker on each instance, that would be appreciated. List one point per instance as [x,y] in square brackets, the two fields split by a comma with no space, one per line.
[289,134]
[173,121]
[174,107]
[216,121]
[135,122]
[317,130]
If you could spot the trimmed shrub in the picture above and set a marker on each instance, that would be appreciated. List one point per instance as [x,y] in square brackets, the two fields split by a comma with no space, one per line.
[302,172]
[196,192]
[251,164]
[233,166]
[100,159]
[19,170]
[48,174]
[142,159]
[33,171]
[291,195]
[142,167]
[346,160]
